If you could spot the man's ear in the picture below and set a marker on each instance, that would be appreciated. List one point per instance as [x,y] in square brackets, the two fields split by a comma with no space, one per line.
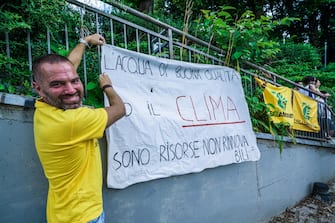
[37,87]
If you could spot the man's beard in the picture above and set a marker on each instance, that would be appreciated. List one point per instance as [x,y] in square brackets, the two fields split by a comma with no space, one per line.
[59,101]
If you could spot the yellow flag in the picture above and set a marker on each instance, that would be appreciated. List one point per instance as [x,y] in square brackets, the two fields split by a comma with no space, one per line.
[279,100]
[260,82]
[305,111]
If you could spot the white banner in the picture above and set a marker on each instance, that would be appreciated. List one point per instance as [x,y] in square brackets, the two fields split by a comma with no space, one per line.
[181,118]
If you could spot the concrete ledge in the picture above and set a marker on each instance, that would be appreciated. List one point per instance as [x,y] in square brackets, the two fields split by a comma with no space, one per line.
[18,100]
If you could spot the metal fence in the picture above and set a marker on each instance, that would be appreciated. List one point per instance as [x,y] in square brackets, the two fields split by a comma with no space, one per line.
[127,28]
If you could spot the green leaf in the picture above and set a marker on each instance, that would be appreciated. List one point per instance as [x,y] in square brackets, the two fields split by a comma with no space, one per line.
[11,89]
[227,7]
[237,55]
[224,14]
[91,86]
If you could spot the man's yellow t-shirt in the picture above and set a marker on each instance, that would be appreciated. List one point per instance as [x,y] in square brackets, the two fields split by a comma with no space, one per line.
[67,145]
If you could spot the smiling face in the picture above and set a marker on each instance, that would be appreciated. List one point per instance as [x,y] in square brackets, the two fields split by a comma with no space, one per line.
[59,85]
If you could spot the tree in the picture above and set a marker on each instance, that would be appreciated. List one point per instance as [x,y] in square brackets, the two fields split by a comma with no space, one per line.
[18,19]
[316,25]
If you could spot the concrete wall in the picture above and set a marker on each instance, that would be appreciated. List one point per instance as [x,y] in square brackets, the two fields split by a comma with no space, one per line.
[249,192]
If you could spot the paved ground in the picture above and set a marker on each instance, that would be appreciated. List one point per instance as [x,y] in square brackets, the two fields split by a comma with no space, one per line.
[310,210]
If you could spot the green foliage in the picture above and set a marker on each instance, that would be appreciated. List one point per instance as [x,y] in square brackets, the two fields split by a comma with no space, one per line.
[176,8]
[260,117]
[95,96]
[280,130]
[54,13]
[294,61]
[11,21]
[242,37]
[298,53]
[258,111]
[38,16]
[17,18]
[14,78]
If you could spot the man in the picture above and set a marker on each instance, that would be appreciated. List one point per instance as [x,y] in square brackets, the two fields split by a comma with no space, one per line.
[66,136]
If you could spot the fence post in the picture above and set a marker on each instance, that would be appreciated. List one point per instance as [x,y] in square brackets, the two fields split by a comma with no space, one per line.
[98,31]
[29,51]
[66,38]
[8,51]
[170,43]
[48,41]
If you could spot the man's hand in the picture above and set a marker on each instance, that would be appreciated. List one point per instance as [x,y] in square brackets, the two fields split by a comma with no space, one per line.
[95,39]
[76,54]
[104,80]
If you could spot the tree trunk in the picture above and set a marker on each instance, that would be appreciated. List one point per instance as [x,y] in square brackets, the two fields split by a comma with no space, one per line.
[146,6]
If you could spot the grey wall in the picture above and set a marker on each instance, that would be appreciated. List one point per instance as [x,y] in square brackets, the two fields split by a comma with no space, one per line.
[247,192]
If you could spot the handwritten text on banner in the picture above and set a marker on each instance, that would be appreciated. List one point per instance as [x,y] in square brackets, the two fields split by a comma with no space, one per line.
[181,118]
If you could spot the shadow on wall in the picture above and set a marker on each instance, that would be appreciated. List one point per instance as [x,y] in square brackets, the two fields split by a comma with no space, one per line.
[258,189]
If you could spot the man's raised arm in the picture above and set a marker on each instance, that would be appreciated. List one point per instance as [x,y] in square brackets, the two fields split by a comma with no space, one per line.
[76,54]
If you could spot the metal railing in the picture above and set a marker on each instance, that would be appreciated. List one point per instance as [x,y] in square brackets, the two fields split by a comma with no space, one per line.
[127,28]
[325,113]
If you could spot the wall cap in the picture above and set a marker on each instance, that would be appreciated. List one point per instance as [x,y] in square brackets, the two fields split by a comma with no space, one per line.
[18,100]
